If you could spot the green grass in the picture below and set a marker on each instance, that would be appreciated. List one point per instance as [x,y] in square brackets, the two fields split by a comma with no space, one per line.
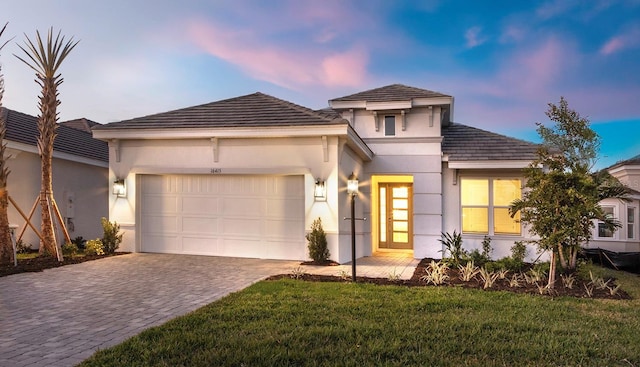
[296,323]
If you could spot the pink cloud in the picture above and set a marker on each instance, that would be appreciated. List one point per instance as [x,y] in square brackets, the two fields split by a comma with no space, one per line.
[290,67]
[622,41]
[472,35]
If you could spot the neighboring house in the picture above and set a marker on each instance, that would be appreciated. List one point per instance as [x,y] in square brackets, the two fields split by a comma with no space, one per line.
[80,171]
[627,237]
[247,176]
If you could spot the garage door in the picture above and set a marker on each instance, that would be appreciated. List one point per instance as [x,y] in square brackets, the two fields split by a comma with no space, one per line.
[240,216]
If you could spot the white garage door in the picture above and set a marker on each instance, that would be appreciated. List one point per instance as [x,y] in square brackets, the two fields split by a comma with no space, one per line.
[240,216]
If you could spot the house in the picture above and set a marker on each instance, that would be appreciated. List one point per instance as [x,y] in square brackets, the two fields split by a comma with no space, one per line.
[627,237]
[80,171]
[247,176]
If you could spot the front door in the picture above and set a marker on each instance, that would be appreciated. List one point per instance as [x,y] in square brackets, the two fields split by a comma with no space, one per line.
[396,213]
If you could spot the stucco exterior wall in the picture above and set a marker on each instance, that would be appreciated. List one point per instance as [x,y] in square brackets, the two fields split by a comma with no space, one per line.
[255,156]
[80,190]
[418,121]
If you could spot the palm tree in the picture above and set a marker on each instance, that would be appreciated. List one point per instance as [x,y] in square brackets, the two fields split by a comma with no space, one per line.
[6,249]
[45,61]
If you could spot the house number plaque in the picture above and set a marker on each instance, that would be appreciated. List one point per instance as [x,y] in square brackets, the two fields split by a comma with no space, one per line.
[216,170]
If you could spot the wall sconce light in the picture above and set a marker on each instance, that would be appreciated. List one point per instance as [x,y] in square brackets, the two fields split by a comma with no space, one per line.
[320,191]
[119,188]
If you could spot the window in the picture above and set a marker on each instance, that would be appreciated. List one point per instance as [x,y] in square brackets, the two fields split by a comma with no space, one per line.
[389,125]
[631,220]
[603,231]
[485,205]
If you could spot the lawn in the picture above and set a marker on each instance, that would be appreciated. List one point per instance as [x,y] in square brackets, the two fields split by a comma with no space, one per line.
[292,322]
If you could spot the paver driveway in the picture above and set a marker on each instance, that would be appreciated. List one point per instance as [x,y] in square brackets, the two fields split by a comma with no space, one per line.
[61,316]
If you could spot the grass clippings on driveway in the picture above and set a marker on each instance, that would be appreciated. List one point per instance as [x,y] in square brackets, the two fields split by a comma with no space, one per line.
[290,322]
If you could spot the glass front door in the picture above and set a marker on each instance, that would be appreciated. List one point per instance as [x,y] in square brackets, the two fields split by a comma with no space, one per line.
[396,213]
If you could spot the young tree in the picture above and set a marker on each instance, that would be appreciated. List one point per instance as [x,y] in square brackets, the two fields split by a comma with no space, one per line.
[563,195]
[6,247]
[45,60]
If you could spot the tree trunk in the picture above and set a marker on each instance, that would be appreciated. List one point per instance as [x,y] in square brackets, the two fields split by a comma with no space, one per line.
[552,271]
[561,257]
[6,246]
[573,259]
[47,133]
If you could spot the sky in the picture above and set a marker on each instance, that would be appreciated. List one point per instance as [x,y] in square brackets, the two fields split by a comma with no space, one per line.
[503,61]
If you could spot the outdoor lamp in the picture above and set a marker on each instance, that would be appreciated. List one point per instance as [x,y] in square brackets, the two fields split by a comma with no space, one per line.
[119,188]
[320,191]
[352,184]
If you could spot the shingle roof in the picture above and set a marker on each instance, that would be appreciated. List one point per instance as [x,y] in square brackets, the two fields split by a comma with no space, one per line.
[23,128]
[393,92]
[466,143]
[627,162]
[80,124]
[252,110]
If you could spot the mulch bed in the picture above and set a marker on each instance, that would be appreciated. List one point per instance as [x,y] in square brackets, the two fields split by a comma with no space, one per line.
[454,280]
[41,263]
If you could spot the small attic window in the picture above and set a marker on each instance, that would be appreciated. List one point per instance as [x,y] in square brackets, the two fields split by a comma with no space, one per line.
[389,126]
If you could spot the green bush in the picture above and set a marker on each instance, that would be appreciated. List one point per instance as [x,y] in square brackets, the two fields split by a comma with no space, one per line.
[519,251]
[69,249]
[79,241]
[453,245]
[94,247]
[317,238]
[111,238]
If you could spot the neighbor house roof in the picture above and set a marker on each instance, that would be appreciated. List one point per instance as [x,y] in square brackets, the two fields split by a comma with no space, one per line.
[80,124]
[393,92]
[633,161]
[23,128]
[251,110]
[466,143]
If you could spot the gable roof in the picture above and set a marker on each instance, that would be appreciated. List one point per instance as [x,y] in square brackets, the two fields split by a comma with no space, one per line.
[80,124]
[393,92]
[252,110]
[23,128]
[466,143]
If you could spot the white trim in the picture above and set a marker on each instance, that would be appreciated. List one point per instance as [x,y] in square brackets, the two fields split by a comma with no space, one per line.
[397,105]
[486,164]
[396,140]
[347,104]
[274,171]
[56,154]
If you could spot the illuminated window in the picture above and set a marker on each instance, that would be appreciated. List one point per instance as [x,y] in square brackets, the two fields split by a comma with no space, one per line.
[485,205]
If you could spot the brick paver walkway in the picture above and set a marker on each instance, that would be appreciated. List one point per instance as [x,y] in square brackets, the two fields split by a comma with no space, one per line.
[61,316]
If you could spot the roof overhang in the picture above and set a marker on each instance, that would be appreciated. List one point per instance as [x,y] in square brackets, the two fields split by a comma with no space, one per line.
[22,147]
[175,133]
[498,164]
[392,105]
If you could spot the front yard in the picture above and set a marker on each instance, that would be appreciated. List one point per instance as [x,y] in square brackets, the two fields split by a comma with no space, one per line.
[293,322]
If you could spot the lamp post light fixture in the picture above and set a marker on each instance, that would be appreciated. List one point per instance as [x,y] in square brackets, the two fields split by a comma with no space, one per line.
[352,190]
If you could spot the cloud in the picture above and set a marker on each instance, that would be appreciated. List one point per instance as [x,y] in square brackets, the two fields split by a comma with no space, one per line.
[622,41]
[473,37]
[290,66]
[553,8]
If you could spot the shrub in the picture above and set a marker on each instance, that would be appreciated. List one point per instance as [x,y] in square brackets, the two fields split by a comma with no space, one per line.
[22,247]
[111,238]
[69,249]
[94,247]
[318,250]
[519,251]
[79,241]
[436,273]
[453,245]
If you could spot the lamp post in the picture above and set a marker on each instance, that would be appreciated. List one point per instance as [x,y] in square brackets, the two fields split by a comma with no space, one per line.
[352,190]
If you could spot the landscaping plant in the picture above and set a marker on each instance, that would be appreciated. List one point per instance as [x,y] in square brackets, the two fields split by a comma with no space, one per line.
[6,246]
[45,59]
[453,247]
[318,250]
[562,196]
[94,247]
[111,237]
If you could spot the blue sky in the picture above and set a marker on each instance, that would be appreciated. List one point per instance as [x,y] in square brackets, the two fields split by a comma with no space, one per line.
[503,61]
